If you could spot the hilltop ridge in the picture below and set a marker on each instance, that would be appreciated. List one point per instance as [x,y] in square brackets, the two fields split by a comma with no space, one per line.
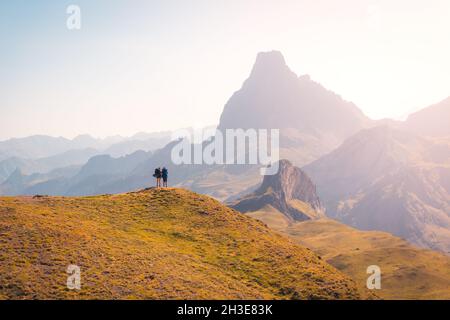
[154,244]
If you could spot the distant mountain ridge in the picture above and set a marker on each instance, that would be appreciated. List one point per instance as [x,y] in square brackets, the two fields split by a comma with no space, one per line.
[390,180]
[45,165]
[431,121]
[42,146]
[35,166]
[89,179]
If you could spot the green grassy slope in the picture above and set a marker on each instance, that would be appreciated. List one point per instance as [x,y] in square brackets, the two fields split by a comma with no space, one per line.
[154,244]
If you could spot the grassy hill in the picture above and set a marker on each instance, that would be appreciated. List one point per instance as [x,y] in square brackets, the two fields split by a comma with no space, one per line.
[408,272]
[154,244]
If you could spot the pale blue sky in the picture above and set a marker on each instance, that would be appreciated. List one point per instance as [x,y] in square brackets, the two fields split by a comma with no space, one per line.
[140,65]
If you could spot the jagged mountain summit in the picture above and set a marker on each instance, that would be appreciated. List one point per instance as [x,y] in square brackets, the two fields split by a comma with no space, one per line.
[310,117]
[275,97]
[290,191]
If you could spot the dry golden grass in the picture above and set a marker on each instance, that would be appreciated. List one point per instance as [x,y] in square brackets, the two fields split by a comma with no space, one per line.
[154,244]
[408,272]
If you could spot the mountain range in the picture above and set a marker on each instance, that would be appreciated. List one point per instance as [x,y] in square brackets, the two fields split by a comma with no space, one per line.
[75,157]
[390,180]
[42,154]
[373,175]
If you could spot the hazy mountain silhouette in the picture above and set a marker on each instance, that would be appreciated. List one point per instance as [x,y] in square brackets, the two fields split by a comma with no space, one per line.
[8,166]
[91,178]
[38,146]
[54,182]
[103,170]
[33,164]
[208,179]
[310,117]
[431,121]
[41,146]
[45,165]
[130,146]
[390,180]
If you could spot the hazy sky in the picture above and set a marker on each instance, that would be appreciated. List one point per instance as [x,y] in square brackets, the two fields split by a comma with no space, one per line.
[155,65]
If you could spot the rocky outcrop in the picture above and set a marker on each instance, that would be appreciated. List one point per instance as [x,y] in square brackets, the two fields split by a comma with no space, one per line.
[282,191]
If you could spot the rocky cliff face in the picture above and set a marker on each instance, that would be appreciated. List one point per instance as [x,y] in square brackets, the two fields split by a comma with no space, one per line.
[284,191]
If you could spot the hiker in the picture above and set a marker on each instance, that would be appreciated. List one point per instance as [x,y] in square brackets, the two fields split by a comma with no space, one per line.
[165,174]
[157,175]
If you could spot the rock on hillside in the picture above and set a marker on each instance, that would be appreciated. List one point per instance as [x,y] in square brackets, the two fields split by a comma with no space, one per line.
[289,191]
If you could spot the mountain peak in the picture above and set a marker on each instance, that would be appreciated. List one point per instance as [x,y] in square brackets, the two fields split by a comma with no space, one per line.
[273,96]
[269,64]
[290,191]
[282,181]
[291,183]
[270,58]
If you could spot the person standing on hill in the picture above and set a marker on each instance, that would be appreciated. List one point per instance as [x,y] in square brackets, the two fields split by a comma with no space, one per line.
[165,175]
[157,175]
